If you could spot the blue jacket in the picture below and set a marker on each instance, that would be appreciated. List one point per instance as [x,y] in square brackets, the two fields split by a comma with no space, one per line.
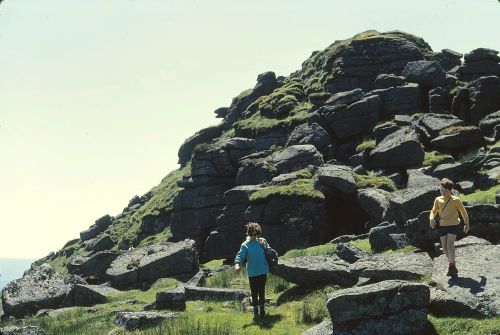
[253,252]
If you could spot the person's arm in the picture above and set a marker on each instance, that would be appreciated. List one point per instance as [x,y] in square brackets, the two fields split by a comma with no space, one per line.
[460,206]
[240,256]
[433,213]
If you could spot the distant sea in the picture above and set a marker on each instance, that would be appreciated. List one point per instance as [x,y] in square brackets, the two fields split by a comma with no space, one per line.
[12,268]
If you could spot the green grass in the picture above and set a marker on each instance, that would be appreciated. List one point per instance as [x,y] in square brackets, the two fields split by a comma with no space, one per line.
[60,262]
[465,326]
[366,181]
[214,264]
[257,124]
[366,145]
[323,249]
[230,279]
[482,196]
[363,244]
[298,188]
[155,239]
[126,229]
[298,310]
[435,158]
[404,250]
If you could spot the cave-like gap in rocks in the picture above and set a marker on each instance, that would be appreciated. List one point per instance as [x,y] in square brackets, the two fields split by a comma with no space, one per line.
[344,216]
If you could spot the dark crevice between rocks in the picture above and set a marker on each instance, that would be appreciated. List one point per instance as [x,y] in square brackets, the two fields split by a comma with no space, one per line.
[344,216]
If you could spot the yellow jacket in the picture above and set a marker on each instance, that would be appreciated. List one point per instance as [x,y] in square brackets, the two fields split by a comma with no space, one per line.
[450,215]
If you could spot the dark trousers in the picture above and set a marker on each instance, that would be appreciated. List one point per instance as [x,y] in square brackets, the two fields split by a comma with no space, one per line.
[258,289]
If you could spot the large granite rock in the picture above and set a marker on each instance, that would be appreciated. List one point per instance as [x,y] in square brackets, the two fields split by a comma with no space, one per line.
[399,149]
[309,134]
[350,253]
[458,139]
[374,202]
[88,295]
[432,124]
[484,96]
[338,178]
[456,171]
[266,83]
[253,172]
[354,119]
[381,237]
[389,307]
[408,203]
[98,227]
[448,59]
[296,157]
[404,266]
[488,124]
[357,62]
[401,100]
[203,136]
[426,73]
[323,328]
[94,265]
[478,63]
[153,262]
[40,287]
[389,80]
[100,243]
[475,292]
[313,271]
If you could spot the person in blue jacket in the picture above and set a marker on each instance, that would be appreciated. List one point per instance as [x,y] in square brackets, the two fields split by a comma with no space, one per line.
[252,250]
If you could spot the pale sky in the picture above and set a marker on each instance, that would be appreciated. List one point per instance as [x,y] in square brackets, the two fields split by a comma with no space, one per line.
[96,96]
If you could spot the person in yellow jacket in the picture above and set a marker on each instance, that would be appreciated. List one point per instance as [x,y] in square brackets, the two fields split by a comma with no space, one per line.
[447,206]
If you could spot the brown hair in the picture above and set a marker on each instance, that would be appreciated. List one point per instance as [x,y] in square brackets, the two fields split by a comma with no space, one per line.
[253,228]
[447,184]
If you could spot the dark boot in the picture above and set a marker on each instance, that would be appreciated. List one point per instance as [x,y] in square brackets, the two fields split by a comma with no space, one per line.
[255,312]
[262,311]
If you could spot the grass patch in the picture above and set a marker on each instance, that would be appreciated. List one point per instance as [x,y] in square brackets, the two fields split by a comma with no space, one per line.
[230,279]
[366,181]
[155,239]
[482,196]
[317,250]
[298,188]
[405,250]
[313,307]
[363,244]
[366,145]
[59,263]
[257,124]
[435,158]
[465,326]
[214,264]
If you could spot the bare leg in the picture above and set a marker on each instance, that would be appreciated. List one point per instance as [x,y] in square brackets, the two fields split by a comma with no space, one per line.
[450,243]
[444,245]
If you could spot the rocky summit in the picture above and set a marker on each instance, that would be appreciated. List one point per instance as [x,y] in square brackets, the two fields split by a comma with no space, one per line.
[348,149]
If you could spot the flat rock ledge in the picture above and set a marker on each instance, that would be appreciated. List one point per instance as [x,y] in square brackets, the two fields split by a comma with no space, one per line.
[388,307]
[142,319]
[476,290]
[312,271]
[176,298]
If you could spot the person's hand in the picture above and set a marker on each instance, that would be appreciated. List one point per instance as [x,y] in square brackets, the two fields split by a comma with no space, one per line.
[237,268]
[466,228]
[432,224]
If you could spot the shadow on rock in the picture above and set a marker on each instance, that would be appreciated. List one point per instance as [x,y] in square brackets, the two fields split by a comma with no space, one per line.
[474,286]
